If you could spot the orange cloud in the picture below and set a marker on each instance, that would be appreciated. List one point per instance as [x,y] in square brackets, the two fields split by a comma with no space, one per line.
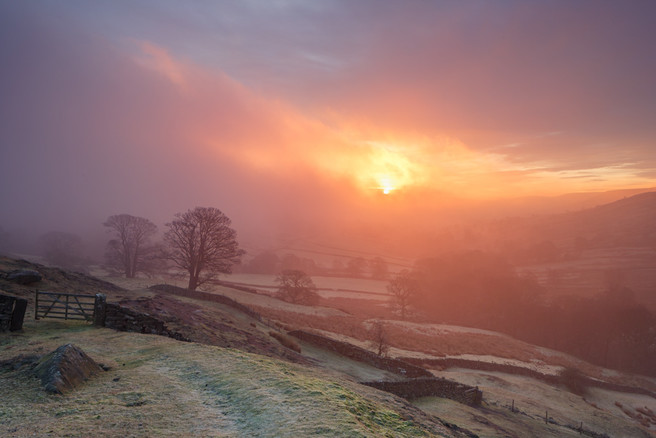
[159,60]
[227,120]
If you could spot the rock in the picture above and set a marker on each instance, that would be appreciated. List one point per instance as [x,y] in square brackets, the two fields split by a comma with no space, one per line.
[18,362]
[24,276]
[65,368]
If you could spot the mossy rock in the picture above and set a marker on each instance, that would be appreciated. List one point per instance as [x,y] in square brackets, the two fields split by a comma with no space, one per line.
[65,368]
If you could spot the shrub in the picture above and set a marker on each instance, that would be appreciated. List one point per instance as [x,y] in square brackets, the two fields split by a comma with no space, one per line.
[297,287]
[286,341]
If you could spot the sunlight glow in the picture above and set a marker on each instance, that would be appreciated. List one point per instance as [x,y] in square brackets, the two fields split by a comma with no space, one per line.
[386,185]
[387,167]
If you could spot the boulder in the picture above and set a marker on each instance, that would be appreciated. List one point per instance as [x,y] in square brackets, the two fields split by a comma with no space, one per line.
[65,368]
[24,276]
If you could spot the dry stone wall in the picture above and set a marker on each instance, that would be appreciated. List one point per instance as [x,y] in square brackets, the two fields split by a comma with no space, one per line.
[431,387]
[361,355]
[419,382]
[127,320]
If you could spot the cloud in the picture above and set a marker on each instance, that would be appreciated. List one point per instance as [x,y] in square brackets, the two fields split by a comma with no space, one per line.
[299,113]
[159,59]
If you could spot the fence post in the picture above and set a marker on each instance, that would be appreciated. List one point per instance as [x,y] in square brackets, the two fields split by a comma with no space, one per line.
[36,304]
[100,310]
[18,314]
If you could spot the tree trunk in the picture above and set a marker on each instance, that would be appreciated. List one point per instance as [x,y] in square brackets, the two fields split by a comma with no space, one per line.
[193,282]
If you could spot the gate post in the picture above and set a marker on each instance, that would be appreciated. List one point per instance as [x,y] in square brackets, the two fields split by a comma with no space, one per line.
[18,314]
[100,310]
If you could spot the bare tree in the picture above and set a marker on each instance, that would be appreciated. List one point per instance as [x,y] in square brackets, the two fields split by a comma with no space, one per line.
[130,250]
[404,287]
[203,244]
[297,287]
[379,339]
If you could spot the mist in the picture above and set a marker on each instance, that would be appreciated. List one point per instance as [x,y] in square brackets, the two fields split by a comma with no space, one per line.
[297,137]
[450,201]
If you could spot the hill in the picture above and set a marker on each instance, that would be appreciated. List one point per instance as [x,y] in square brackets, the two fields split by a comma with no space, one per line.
[156,386]
[238,380]
[582,252]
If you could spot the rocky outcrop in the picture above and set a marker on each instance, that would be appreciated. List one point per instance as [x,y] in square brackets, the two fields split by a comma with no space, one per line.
[24,276]
[65,369]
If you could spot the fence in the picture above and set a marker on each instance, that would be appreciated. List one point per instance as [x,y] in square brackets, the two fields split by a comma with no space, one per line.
[65,306]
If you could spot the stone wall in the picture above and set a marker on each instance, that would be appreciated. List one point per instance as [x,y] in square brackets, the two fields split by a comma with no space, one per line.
[431,387]
[12,313]
[361,355]
[419,383]
[127,320]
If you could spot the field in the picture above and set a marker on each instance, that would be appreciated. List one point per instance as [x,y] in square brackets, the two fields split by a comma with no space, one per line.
[586,274]
[532,401]
[328,287]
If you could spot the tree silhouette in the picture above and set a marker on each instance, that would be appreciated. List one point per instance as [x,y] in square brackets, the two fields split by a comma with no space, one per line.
[203,244]
[296,287]
[404,287]
[379,338]
[130,250]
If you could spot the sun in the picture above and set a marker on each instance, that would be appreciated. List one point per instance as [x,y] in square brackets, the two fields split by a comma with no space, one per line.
[386,185]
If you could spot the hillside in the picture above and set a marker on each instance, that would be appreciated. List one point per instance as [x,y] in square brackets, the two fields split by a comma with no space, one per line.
[627,222]
[237,380]
[583,252]
[157,386]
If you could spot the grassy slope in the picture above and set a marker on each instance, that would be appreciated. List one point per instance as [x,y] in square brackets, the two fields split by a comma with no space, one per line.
[157,386]
[198,407]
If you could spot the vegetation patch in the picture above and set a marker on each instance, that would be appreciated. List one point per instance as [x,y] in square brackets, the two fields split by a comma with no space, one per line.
[286,341]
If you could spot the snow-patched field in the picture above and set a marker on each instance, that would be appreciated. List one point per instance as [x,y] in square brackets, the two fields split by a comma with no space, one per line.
[600,411]
[328,287]
[597,411]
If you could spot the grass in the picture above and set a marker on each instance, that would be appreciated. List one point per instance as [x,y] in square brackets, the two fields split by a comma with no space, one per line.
[160,387]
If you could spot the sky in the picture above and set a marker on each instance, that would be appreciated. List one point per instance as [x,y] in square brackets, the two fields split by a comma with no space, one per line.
[293,115]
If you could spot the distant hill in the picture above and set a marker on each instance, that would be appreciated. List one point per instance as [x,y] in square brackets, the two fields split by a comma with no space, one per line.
[569,202]
[629,222]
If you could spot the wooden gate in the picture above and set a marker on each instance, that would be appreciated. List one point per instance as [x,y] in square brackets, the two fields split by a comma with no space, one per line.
[64,306]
